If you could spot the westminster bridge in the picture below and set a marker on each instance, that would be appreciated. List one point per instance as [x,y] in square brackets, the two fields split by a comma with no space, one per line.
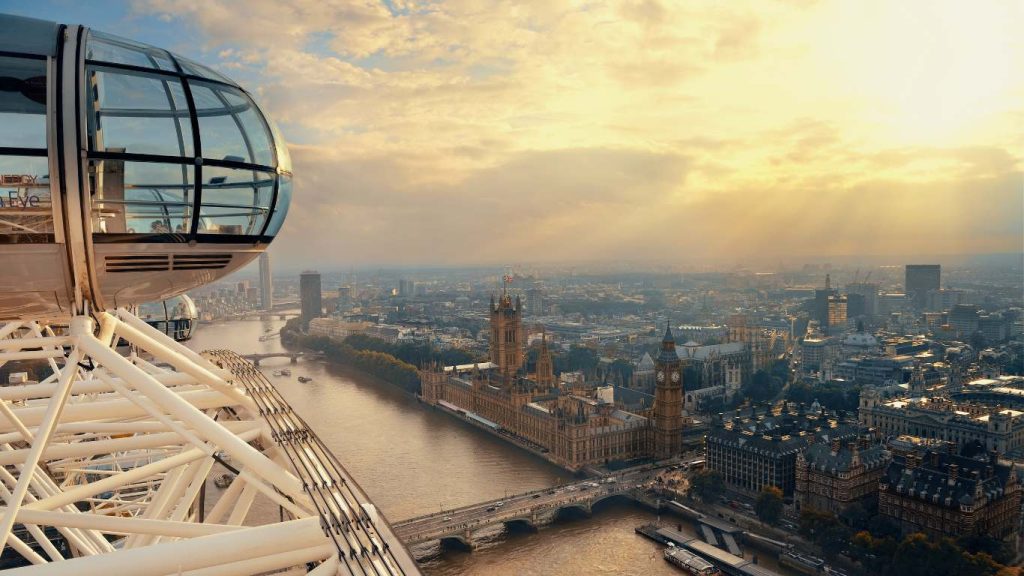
[530,509]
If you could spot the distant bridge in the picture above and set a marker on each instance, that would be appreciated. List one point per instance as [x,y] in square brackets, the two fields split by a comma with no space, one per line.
[530,510]
[293,356]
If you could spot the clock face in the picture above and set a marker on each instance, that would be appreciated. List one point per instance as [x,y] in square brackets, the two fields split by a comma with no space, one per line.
[661,376]
[675,376]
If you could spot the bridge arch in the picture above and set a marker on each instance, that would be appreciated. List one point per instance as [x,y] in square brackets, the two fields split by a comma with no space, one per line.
[522,524]
[456,542]
[573,511]
[611,496]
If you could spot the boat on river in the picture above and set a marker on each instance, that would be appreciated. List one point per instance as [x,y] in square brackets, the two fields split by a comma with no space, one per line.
[689,562]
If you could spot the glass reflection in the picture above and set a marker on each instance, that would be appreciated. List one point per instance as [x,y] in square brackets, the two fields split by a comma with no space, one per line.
[230,126]
[284,199]
[138,113]
[25,196]
[106,48]
[175,316]
[235,201]
[141,197]
[22,103]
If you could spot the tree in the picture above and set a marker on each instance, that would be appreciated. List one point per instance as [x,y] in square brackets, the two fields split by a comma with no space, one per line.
[762,386]
[769,504]
[621,370]
[707,485]
[855,516]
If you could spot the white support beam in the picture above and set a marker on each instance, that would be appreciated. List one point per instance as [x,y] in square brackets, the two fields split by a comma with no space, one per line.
[194,554]
[109,524]
[109,483]
[78,327]
[196,420]
[296,558]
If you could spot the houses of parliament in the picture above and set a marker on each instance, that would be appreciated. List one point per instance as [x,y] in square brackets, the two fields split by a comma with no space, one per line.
[559,419]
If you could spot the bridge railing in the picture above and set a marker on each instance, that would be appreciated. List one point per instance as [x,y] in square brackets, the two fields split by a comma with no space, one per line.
[504,515]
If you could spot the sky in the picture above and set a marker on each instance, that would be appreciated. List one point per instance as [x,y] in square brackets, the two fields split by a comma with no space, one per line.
[463,133]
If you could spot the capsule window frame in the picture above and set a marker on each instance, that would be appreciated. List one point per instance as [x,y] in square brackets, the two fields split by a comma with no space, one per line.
[198,161]
[36,152]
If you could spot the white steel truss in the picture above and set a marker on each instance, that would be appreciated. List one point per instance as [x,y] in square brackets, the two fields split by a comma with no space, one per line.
[118,462]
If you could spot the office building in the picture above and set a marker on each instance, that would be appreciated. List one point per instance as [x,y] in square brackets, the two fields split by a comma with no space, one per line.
[266,283]
[919,280]
[310,296]
[836,313]
[867,301]
[756,447]
[535,302]
[963,423]
[963,319]
[833,475]
[933,491]
[943,299]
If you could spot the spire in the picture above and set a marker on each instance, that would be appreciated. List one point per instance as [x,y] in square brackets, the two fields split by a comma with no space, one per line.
[668,346]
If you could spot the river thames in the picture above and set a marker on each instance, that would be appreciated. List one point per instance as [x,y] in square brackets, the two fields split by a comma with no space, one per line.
[412,460]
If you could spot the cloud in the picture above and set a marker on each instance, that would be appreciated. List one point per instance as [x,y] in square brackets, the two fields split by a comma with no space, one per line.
[453,132]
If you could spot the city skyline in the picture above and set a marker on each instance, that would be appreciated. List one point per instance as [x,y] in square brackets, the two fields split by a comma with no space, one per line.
[446,136]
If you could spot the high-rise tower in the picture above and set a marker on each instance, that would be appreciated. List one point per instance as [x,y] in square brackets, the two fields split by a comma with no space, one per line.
[920,279]
[668,399]
[310,297]
[507,334]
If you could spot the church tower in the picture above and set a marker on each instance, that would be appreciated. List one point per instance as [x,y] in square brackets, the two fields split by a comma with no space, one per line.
[545,368]
[668,400]
[507,336]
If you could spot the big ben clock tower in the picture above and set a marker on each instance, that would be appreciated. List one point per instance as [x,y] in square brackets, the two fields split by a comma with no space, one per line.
[668,400]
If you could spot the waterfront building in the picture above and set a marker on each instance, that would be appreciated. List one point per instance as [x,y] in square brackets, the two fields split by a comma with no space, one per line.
[936,492]
[545,371]
[310,296]
[668,399]
[336,328]
[562,420]
[961,423]
[507,337]
[266,283]
[756,447]
[833,475]
[919,279]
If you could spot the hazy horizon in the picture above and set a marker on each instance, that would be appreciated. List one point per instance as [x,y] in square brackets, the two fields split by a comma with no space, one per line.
[443,134]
